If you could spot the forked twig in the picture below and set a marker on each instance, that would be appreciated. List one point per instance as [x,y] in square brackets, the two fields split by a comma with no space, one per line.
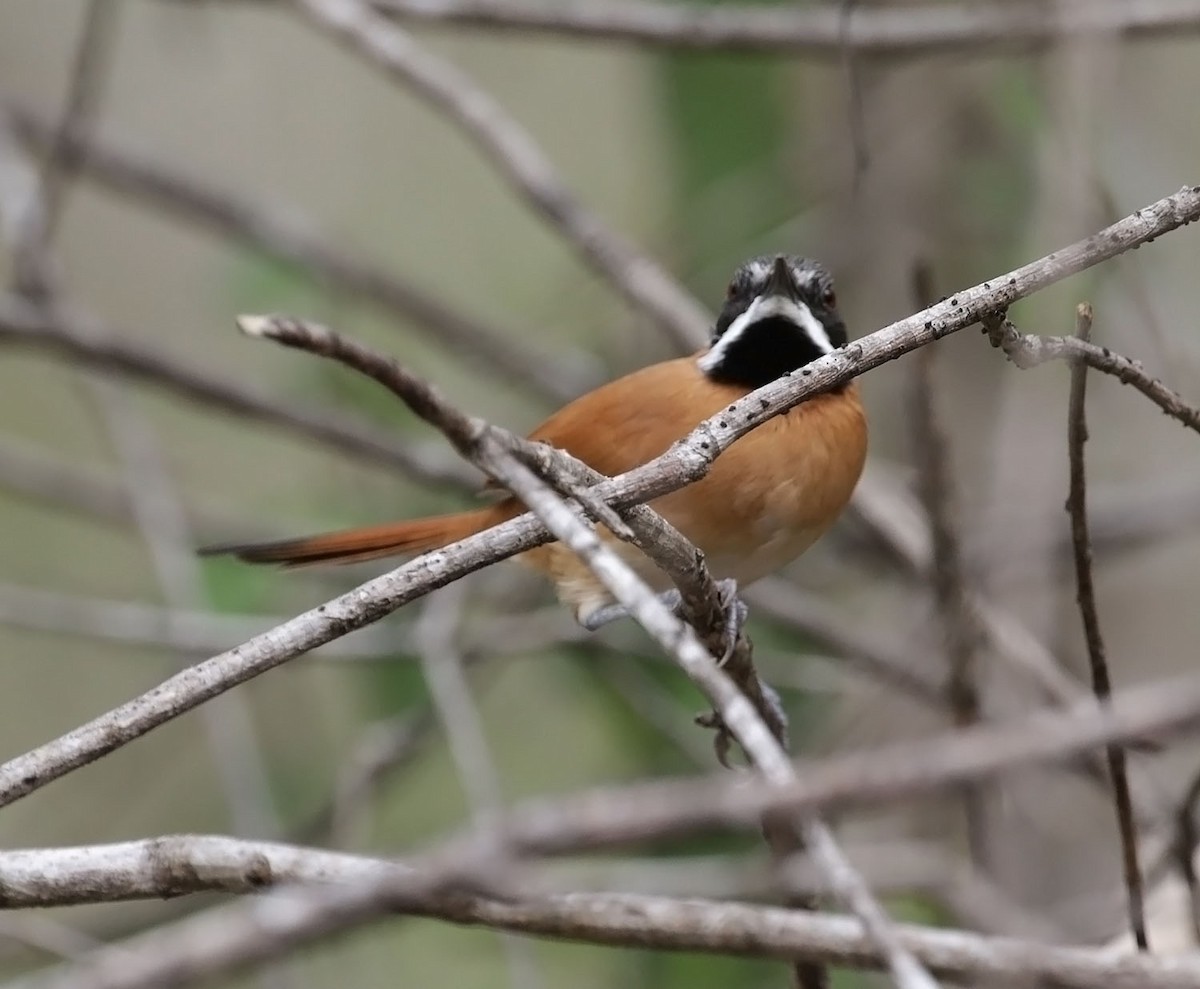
[1028,350]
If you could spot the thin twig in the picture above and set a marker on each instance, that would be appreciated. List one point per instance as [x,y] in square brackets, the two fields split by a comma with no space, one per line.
[959,621]
[79,337]
[1086,593]
[1027,350]
[41,932]
[192,631]
[1183,850]
[34,266]
[443,665]
[851,67]
[816,618]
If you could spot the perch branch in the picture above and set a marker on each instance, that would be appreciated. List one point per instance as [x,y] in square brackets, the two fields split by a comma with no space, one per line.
[683,463]
[751,714]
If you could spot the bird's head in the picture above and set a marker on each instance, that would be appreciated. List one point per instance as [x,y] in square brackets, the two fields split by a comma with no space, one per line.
[780,313]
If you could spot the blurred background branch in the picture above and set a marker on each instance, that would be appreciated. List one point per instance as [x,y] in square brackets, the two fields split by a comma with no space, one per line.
[167,166]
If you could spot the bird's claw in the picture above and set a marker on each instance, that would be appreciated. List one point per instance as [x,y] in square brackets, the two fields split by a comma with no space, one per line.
[736,614]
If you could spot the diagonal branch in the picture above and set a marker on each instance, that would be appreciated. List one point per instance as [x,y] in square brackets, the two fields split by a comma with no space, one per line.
[1028,350]
[280,233]
[474,438]
[685,462]
[82,339]
[517,159]
[752,715]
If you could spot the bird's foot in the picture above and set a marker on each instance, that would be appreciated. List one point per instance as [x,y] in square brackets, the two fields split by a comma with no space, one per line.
[736,614]
[609,613]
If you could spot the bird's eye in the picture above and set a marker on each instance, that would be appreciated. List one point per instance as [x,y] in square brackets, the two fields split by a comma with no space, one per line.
[731,291]
[829,298]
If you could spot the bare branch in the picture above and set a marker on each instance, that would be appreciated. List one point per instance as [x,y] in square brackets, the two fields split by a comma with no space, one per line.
[1182,850]
[902,770]
[959,621]
[172,865]
[1077,435]
[743,704]
[79,337]
[819,31]
[185,630]
[258,928]
[683,463]
[1027,350]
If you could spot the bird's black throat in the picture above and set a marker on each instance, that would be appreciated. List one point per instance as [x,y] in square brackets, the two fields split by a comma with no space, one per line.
[765,350]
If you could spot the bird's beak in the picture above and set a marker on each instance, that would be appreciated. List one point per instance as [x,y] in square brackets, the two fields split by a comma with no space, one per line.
[781,282]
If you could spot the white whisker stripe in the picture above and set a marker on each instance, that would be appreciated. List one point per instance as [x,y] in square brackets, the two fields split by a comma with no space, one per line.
[766,308]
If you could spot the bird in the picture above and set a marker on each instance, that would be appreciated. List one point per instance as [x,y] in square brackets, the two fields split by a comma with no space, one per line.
[764,501]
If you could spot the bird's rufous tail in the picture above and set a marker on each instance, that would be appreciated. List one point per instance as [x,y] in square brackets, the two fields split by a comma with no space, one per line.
[367,543]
